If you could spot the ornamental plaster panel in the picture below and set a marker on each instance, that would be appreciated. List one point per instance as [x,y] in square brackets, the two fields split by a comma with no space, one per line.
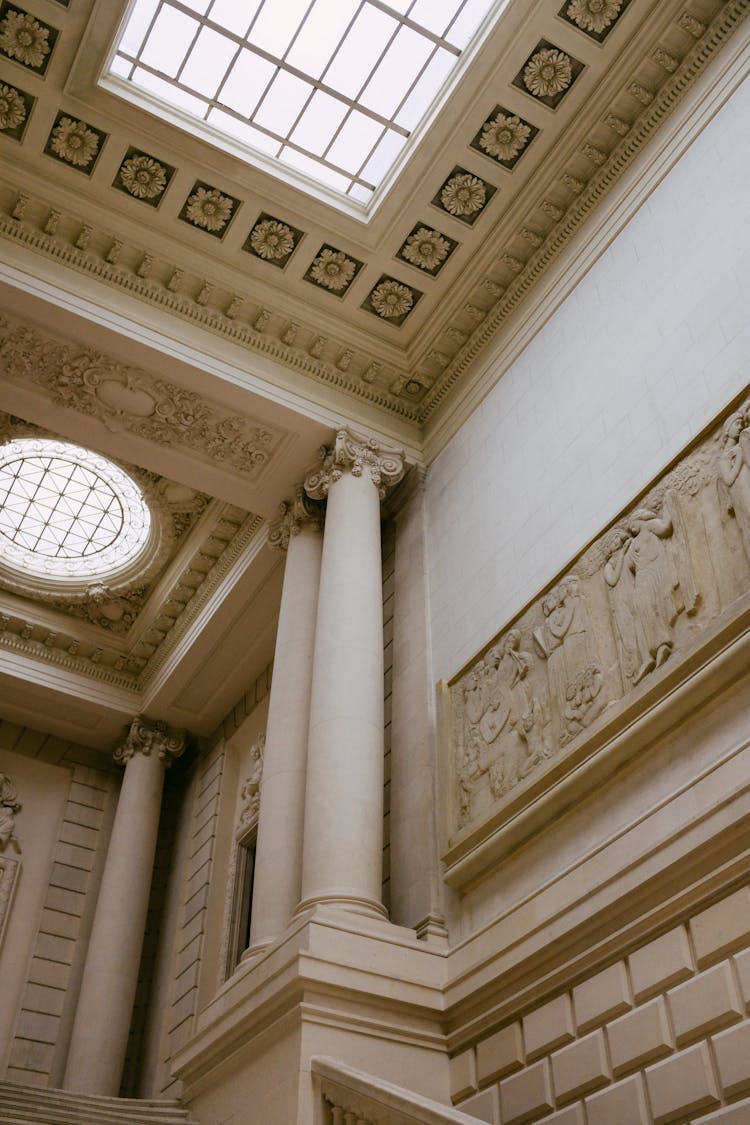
[641,608]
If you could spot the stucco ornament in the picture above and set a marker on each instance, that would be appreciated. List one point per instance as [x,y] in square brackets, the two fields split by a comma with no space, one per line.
[12,108]
[733,471]
[147,737]
[271,239]
[547,73]
[463,194]
[294,515]
[359,456]
[594,15]
[209,209]
[24,38]
[9,806]
[333,270]
[250,792]
[391,300]
[504,137]
[426,248]
[74,142]
[143,176]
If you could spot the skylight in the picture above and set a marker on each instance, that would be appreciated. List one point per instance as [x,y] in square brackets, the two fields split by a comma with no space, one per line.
[330,88]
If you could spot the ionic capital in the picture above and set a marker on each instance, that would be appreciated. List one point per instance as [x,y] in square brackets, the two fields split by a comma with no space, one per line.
[147,737]
[295,514]
[358,456]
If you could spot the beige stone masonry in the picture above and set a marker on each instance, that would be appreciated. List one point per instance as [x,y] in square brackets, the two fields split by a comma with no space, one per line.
[573,1115]
[732,1051]
[738,1114]
[525,1096]
[641,1037]
[602,997]
[483,1106]
[548,1027]
[682,1085]
[500,1054]
[621,1103]
[722,928]
[742,964]
[707,1003]
[463,1075]
[661,963]
[580,1067]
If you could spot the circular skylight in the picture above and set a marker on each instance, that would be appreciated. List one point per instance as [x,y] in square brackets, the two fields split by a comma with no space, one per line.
[67,512]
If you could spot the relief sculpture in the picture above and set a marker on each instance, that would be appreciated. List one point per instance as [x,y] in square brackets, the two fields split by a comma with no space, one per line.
[641,592]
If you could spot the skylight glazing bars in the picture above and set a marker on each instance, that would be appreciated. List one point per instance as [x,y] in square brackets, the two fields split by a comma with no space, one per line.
[332,88]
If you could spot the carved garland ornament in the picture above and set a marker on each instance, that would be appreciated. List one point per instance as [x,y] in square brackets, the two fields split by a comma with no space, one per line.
[641,593]
[358,456]
[123,398]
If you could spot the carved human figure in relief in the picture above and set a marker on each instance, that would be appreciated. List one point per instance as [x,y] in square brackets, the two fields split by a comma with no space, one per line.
[515,723]
[9,806]
[621,592]
[734,471]
[250,792]
[663,583]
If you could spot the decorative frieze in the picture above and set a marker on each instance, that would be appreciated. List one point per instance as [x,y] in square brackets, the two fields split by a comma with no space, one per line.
[635,602]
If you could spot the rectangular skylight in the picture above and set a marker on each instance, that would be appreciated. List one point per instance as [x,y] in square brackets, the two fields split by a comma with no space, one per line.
[333,88]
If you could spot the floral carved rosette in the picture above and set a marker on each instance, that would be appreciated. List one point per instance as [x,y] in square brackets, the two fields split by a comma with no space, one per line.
[209,209]
[427,249]
[25,39]
[548,74]
[272,240]
[14,110]
[74,142]
[333,270]
[143,177]
[391,300]
[594,17]
[464,195]
[504,136]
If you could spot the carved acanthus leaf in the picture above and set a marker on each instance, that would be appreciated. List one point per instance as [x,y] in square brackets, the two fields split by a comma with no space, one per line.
[147,737]
[357,455]
[295,514]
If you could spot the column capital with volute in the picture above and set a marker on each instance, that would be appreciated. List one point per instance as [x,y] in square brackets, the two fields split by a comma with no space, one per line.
[151,737]
[294,515]
[360,456]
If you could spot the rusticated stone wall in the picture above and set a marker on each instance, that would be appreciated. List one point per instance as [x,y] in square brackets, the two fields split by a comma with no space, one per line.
[638,600]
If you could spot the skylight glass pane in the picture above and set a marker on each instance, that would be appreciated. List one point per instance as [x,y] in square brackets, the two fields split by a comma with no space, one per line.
[247,82]
[169,41]
[319,122]
[243,132]
[330,87]
[320,35]
[276,24]
[383,157]
[234,15]
[207,62]
[355,142]
[137,26]
[396,72]
[425,89]
[283,103]
[360,51]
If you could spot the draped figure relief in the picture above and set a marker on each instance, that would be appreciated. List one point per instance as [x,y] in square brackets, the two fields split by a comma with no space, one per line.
[646,588]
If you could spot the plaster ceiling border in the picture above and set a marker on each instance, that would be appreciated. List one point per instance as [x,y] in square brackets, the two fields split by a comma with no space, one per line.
[344,365]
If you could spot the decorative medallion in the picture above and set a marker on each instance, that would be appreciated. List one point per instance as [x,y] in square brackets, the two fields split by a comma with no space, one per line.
[464,195]
[143,176]
[427,249]
[25,39]
[333,270]
[504,137]
[75,142]
[209,209]
[391,300]
[548,74]
[15,110]
[272,240]
[595,18]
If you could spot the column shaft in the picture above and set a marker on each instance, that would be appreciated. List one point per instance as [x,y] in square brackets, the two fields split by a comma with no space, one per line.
[278,857]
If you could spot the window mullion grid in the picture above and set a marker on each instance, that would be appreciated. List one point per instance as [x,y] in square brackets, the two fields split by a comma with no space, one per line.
[423,31]
[135,60]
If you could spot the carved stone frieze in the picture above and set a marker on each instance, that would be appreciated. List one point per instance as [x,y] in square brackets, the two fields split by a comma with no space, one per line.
[9,806]
[149,736]
[123,398]
[358,456]
[294,515]
[637,598]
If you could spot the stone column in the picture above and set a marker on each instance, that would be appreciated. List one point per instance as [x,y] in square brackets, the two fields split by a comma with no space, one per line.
[105,1004]
[278,855]
[342,862]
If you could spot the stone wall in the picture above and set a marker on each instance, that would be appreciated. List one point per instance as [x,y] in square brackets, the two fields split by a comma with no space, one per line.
[660,1035]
